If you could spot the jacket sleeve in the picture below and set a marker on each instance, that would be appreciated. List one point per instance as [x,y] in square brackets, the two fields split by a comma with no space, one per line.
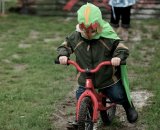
[64,49]
[120,51]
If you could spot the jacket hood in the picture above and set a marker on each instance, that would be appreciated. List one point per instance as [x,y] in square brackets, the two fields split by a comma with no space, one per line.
[90,13]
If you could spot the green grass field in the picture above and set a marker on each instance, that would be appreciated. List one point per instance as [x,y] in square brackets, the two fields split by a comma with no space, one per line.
[31,85]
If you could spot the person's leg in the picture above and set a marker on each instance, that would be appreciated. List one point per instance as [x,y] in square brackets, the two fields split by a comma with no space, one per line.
[115,17]
[125,22]
[126,14]
[131,112]
[118,95]
[79,91]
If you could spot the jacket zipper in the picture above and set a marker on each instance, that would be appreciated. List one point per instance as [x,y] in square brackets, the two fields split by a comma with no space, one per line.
[92,62]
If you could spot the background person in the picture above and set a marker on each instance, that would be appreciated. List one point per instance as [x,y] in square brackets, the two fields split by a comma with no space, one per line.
[121,15]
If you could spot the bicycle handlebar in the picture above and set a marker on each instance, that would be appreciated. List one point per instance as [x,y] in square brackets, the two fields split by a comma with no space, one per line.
[86,70]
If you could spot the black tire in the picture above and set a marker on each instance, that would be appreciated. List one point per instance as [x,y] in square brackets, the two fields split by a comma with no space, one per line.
[107,115]
[85,115]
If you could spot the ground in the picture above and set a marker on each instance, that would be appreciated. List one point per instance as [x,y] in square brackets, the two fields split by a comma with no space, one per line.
[66,111]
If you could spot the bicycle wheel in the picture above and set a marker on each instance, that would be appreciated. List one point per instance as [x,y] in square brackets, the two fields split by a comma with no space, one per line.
[85,115]
[107,115]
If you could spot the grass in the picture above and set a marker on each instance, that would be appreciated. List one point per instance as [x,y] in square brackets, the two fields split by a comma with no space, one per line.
[31,85]
[145,65]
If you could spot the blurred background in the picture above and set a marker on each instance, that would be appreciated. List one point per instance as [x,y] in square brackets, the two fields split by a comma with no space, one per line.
[143,8]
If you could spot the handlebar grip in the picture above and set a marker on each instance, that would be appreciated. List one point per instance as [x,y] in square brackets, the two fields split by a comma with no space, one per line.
[56,61]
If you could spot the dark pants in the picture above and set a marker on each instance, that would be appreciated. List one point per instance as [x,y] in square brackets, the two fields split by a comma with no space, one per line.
[123,14]
[115,92]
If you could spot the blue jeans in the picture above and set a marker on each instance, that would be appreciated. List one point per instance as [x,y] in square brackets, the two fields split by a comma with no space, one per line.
[116,92]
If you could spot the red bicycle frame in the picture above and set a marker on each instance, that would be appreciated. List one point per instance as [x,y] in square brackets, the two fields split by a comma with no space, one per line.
[96,97]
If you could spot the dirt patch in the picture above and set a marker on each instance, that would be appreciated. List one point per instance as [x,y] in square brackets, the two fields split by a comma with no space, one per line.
[23,45]
[140,98]
[33,34]
[65,111]
[16,56]
[6,61]
[56,37]
[20,67]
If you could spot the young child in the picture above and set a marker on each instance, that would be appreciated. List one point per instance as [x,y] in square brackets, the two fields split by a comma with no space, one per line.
[92,42]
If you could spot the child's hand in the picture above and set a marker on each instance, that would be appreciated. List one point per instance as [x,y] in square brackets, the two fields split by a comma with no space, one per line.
[63,60]
[115,61]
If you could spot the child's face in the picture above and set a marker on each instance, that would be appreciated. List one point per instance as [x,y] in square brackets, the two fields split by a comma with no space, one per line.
[90,31]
